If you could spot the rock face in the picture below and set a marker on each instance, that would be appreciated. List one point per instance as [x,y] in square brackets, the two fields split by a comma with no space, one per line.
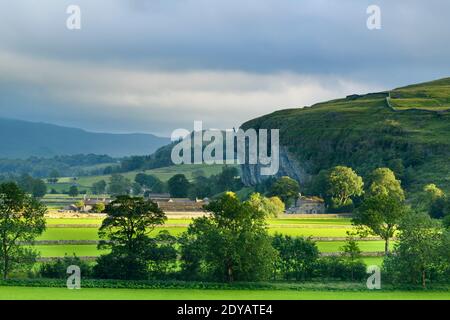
[251,174]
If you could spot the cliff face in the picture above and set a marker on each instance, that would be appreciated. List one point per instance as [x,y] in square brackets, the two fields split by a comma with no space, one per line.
[289,166]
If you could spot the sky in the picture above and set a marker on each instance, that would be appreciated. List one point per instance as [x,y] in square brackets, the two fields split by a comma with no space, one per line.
[158,65]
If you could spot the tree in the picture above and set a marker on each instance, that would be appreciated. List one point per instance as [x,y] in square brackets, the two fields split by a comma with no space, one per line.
[179,186]
[53,177]
[297,256]
[39,188]
[352,253]
[287,189]
[319,184]
[119,185]
[26,183]
[232,244]
[421,251]
[127,226]
[136,188]
[344,183]
[21,219]
[271,207]
[226,180]
[99,187]
[73,191]
[99,207]
[149,182]
[384,182]
[79,204]
[383,206]
[380,214]
[202,187]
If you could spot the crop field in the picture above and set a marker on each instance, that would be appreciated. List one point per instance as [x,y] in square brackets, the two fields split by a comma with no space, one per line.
[17,293]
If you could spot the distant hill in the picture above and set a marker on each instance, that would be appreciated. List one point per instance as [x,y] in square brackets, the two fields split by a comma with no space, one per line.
[22,139]
[406,129]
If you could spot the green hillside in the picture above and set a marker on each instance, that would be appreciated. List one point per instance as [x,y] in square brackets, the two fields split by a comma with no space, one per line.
[363,132]
[434,95]
[164,174]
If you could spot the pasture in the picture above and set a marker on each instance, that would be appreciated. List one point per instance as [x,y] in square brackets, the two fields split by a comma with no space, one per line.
[82,229]
[38,293]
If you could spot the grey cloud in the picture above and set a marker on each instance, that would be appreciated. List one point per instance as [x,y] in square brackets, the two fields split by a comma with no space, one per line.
[153,65]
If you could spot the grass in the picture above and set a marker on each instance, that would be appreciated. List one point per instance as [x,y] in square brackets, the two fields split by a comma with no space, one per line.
[370,261]
[334,222]
[68,221]
[70,234]
[62,250]
[37,293]
[90,233]
[163,174]
[434,95]
[91,250]
[365,246]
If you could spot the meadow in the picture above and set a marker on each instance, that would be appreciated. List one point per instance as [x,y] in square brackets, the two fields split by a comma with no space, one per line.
[85,183]
[35,293]
[82,229]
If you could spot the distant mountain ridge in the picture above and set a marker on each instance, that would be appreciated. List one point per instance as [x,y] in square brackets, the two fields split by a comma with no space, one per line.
[23,139]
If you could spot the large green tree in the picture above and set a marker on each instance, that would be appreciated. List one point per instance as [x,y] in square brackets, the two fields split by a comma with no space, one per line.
[422,252]
[287,189]
[343,184]
[179,186]
[383,206]
[39,188]
[382,181]
[272,207]
[231,244]
[119,185]
[73,191]
[126,231]
[99,187]
[21,219]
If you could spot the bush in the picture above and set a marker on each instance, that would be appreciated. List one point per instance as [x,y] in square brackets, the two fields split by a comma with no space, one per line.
[58,269]
[116,266]
[339,268]
[296,257]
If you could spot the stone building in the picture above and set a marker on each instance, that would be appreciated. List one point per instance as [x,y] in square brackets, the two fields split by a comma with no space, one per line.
[307,205]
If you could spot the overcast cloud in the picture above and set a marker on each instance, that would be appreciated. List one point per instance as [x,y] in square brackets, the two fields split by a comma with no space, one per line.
[153,66]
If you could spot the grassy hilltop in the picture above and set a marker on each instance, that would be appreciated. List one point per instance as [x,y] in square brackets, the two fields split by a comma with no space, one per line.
[406,129]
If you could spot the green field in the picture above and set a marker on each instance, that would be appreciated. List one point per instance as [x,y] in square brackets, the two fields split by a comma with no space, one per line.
[91,250]
[435,96]
[61,250]
[91,233]
[164,174]
[87,229]
[365,246]
[18,293]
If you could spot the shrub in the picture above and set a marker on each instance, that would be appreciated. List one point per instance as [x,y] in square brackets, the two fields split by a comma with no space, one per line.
[339,268]
[58,269]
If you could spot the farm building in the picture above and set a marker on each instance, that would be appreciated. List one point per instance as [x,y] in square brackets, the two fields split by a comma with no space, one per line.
[168,204]
[308,205]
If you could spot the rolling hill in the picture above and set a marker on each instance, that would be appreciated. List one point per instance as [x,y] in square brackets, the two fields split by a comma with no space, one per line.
[22,139]
[365,132]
